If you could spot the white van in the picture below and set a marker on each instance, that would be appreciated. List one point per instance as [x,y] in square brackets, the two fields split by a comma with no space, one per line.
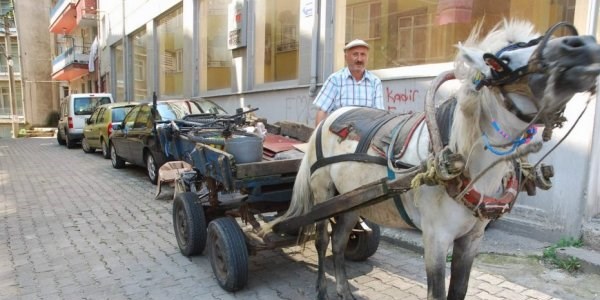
[74,109]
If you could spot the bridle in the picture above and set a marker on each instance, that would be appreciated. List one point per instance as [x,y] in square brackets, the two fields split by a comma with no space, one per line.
[502,75]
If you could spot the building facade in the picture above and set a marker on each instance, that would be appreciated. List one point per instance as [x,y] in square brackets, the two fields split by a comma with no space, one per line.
[10,111]
[275,54]
[73,25]
[36,91]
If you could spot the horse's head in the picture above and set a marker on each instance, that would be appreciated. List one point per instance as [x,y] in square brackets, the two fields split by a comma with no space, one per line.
[536,75]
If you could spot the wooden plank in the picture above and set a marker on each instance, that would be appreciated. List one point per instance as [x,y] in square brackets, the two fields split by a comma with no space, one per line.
[296,130]
[264,168]
[365,195]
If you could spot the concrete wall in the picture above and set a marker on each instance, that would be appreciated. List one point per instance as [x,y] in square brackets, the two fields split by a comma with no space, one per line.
[39,92]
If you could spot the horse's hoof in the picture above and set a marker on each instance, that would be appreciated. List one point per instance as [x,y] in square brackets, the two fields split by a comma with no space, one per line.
[347,296]
[322,295]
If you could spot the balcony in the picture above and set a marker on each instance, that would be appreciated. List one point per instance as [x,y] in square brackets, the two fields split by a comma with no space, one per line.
[63,17]
[86,13]
[66,15]
[71,64]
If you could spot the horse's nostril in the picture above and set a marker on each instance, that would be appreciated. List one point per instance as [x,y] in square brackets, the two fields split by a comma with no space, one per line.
[573,42]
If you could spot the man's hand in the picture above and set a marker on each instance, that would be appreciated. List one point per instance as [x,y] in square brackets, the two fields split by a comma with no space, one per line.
[320,116]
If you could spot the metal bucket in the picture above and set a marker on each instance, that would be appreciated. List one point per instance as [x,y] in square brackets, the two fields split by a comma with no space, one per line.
[245,147]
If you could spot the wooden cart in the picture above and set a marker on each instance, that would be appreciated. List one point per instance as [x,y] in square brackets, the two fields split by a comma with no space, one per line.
[220,194]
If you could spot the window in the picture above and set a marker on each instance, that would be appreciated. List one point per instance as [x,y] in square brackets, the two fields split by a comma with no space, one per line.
[143,119]
[363,20]
[119,72]
[216,57]
[412,32]
[140,85]
[87,105]
[97,116]
[276,40]
[119,113]
[130,118]
[170,49]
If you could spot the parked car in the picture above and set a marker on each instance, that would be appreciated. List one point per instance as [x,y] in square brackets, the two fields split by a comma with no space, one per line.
[135,141]
[74,109]
[100,125]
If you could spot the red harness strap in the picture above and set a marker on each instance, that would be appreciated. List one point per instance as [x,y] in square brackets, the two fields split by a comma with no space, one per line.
[489,207]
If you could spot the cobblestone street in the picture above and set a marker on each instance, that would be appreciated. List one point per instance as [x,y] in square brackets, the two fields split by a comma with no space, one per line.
[72,227]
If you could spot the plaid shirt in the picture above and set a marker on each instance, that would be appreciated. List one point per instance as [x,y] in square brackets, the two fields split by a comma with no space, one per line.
[341,89]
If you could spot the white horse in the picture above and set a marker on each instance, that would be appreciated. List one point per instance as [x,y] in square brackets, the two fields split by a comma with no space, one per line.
[511,79]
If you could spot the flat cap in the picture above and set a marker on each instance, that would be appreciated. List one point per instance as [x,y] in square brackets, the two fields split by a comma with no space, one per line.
[356,43]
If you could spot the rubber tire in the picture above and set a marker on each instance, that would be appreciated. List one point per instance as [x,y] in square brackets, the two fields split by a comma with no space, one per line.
[105,149]
[362,245]
[117,161]
[228,253]
[86,147]
[59,138]
[189,224]
[70,144]
[151,168]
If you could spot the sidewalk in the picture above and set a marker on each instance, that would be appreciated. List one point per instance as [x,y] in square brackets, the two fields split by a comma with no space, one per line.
[499,241]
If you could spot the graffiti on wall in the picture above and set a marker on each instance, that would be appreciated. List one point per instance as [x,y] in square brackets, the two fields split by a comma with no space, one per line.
[408,95]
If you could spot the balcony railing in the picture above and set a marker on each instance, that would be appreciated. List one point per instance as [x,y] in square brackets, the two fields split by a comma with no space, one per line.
[76,54]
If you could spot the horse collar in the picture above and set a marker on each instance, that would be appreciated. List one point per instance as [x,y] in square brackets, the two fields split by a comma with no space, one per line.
[483,206]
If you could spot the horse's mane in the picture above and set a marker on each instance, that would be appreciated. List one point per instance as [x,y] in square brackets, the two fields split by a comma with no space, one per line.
[465,130]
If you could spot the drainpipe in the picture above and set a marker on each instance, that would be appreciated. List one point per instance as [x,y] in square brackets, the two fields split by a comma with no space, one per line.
[312,91]
[592,206]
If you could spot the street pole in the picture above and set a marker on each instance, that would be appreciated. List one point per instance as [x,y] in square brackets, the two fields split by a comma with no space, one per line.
[11,79]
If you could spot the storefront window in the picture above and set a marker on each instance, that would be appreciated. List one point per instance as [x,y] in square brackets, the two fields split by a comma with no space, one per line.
[169,32]
[138,42]
[119,71]
[412,32]
[277,40]
[216,57]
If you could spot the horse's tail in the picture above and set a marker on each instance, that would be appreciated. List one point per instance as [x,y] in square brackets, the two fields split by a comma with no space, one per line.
[302,201]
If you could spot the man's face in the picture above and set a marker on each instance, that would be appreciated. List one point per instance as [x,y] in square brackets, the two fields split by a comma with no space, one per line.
[357,58]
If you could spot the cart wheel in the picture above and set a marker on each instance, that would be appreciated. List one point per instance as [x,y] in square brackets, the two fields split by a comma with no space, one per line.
[363,244]
[189,223]
[228,253]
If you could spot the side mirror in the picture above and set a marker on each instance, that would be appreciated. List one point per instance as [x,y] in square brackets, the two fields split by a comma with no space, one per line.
[118,126]
[87,121]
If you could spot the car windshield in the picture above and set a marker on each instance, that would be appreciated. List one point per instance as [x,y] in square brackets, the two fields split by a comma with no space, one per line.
[118,113]
[86,105]
[180,109]
[207,107]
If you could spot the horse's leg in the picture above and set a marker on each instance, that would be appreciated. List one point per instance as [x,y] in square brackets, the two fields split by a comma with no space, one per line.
[436,246]
[463,254]
[339,240]
[321,243]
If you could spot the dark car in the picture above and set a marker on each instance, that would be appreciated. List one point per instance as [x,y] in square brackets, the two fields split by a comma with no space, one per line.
[134,140]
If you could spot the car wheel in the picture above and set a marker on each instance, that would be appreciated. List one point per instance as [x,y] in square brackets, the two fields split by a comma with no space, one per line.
[105,150]
[363,244]
[86,147]
[189,223]
[59,138]
[228,253]
[117,161]
[69,142]
[151,168]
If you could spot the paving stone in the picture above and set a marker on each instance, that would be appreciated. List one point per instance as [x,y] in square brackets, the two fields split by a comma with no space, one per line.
[85,230]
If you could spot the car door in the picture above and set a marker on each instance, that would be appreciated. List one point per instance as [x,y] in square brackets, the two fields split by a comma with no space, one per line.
[119,137]
[91,129]
[137,137]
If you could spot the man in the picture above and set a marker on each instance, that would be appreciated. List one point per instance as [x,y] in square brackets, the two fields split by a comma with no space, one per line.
[351,86]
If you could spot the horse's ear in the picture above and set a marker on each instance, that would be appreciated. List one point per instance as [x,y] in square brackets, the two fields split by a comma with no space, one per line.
[474,58]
